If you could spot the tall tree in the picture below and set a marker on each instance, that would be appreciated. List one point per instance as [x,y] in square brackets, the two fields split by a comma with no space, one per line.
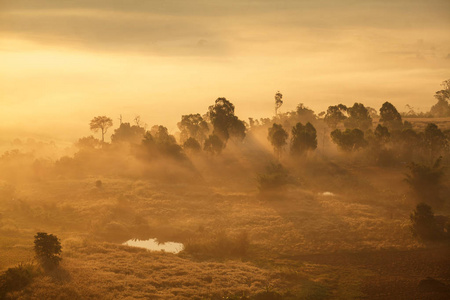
[335,115]
[358,117]
[224,122]
[48,249]
[213,144]
[348,140]
[442,107]
[390,117]
[304,138]
[434,139]
[278,102]
[101,123]
[193,126]
[278,138]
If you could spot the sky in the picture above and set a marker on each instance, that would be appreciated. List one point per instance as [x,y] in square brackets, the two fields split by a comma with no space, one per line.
[64,62]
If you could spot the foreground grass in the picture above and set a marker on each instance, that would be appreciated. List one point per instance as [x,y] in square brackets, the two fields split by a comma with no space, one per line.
[368,211]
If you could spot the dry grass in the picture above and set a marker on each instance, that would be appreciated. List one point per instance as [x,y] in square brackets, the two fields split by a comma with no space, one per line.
[369,211]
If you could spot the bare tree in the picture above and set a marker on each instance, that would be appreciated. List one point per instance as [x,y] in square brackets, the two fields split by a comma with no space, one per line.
[101,123]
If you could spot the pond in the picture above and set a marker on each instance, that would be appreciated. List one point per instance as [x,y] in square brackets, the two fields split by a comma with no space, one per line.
[154,245]
[327,194]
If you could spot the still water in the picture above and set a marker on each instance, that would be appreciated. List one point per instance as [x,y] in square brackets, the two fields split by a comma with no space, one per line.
[154,245]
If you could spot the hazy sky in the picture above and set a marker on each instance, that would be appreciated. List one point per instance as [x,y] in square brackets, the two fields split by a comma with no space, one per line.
[63,62]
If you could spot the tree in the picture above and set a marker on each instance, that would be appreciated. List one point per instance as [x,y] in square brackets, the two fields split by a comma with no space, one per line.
[442,107]
[47,248]
[165,143]
[335,114]
[237,129]
[224,122]
[426,181]
[434,139]
[382,134]
[192,145]
[277,137]
[101,123]
[305,114]
[88,143]
[348,140]
[278,102]
[128,134]
[213,144]
[193,126]
[423,223]
[358,117]
[390,117]
[304,138]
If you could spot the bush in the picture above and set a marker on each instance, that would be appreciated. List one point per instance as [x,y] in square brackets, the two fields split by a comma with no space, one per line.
[275,178]
[98,184]
[424,225]
[48,249]
[15,279]
[426,181]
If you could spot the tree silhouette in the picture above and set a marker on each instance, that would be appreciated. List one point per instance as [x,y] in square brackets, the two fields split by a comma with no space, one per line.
[423,223]
[434,139]
[304,138]
[382,134]
[193,126]
[278,101]
[47,248]
[358,117]
[128,134]
[426,181]
[305,114]
[335,114]
[213,144]
[192,145]
[442,107]
[224,121]
[166,143]
[390,117]
[348,140]
[101,123]
[278,138]
[88,143]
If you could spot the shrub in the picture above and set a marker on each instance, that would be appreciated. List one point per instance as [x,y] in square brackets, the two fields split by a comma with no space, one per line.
[15,279]
[424,225]
[98,184]
[426,181]
[274,178]
[48,249]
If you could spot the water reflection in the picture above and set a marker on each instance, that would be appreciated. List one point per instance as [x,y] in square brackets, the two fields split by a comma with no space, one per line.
[327,194]
[154,245]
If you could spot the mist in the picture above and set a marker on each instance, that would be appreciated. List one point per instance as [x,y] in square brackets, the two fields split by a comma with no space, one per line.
[224,150]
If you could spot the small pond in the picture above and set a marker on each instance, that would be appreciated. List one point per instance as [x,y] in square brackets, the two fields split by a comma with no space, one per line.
[327,194]
[154,245]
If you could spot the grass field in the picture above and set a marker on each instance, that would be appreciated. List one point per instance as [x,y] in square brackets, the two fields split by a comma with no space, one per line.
[339,230]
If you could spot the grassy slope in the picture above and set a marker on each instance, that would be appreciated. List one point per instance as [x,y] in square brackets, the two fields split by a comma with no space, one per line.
[344,246]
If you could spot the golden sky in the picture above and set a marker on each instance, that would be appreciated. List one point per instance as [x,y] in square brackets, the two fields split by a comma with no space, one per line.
[63,62]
